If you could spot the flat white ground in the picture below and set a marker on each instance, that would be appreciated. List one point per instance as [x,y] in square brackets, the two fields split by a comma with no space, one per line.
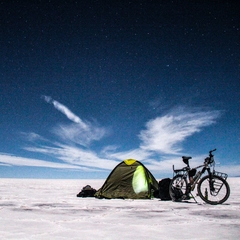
[49,209]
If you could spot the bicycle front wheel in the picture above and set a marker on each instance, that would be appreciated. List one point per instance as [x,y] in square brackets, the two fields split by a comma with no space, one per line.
[178,188]
[215,191]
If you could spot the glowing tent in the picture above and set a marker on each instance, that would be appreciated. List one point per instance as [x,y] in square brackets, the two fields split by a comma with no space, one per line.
[129,179]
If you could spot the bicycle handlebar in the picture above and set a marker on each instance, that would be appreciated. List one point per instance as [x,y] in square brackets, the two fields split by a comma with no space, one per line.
[210,159]
[210,152]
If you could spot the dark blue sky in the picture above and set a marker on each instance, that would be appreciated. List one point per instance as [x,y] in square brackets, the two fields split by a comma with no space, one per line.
[86,84]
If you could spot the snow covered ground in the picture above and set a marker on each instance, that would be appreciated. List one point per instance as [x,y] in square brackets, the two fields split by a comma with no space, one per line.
[49,209]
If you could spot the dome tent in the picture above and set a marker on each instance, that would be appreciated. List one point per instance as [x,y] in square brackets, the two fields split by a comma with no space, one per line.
[130,179]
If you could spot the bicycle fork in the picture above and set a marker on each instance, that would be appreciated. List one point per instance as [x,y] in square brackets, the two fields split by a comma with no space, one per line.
[211,181]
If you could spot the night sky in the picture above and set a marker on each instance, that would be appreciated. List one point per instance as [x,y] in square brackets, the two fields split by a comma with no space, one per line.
[87,84]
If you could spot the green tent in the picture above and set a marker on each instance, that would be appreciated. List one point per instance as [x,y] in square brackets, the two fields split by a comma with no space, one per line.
[129,179]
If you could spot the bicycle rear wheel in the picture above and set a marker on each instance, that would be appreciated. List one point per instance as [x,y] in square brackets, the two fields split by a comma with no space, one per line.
[218,193]
[178,187]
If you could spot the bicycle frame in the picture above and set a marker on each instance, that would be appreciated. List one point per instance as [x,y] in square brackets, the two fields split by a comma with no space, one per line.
[184,172]
[205,168]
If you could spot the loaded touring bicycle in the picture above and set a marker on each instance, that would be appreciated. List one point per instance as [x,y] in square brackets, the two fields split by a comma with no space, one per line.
[212,186]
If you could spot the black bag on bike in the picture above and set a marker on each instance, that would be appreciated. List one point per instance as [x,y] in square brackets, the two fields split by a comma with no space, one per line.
[164,189]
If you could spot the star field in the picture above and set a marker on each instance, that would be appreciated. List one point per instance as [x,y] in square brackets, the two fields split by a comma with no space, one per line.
[147,80]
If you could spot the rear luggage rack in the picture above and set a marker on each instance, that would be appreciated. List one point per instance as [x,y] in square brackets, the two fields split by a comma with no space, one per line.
[179,171]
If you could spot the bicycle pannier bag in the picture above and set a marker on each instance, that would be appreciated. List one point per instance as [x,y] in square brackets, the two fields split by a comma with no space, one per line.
[164,189]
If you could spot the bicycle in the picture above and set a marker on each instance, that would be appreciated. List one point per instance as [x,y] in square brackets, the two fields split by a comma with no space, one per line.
[211,188]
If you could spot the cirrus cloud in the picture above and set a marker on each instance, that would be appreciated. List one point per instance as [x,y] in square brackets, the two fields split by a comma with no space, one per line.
[166,133]
[161,138]
[80,132]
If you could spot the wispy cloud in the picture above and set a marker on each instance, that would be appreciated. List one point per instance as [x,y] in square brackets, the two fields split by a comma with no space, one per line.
[163,135]
[6,159]
[75,156]
[233,170]
[159,141]
[138,153]
[80,132]
[166,133]
[33,137]
[67,112]
[76,134]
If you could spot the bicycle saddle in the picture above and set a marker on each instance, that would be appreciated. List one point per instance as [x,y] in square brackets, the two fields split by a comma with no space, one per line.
[186,159]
